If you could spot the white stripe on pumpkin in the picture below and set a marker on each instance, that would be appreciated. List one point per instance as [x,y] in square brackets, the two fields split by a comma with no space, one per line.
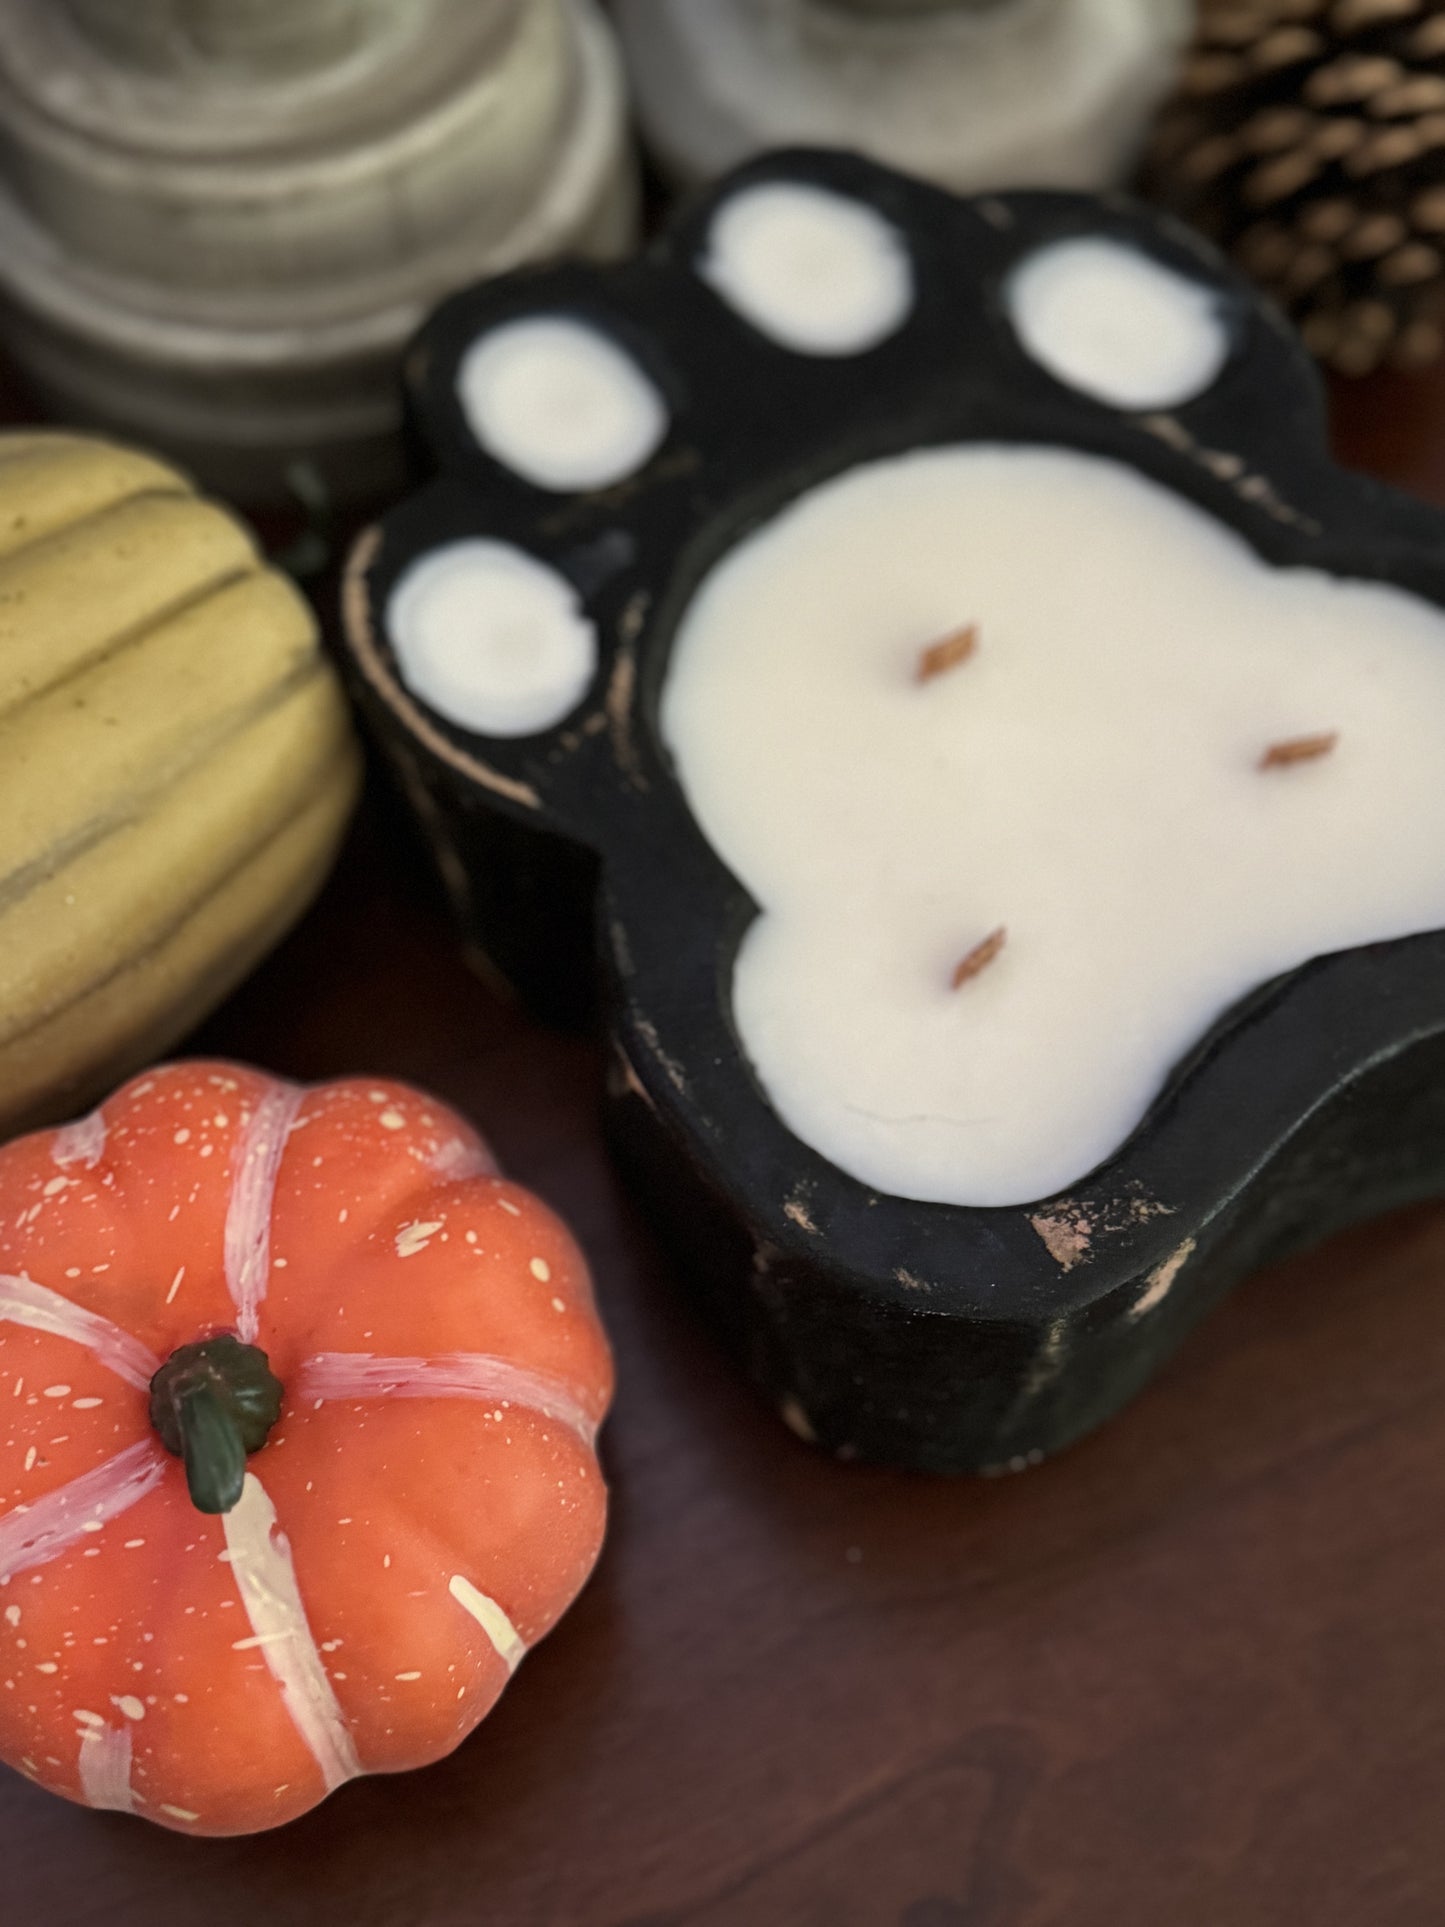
[510,1646]
[471,1375]
[457,1159]
[257,1163]
[79,1143]
[260,1560]
[23,1302]
[104,1763]
[33,1535]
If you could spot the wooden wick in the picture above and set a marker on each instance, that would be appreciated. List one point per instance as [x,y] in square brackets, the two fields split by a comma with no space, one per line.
[954,648]
[981,956]
[1299,749]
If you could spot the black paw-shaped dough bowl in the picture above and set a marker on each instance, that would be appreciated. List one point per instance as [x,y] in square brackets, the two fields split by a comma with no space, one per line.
[929,1335]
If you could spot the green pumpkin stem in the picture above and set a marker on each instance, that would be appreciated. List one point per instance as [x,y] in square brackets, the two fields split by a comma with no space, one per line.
[213,1403]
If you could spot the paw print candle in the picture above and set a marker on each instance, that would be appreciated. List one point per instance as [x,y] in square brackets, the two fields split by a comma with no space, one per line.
[1009,752]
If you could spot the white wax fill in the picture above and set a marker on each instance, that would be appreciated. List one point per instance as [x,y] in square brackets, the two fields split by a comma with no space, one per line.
[1087,778]
[1108,320]
[491,638]
[559,403]
[813,270]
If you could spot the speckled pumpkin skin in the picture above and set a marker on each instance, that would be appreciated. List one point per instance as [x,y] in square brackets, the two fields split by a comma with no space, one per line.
[176,765]
[425,1509]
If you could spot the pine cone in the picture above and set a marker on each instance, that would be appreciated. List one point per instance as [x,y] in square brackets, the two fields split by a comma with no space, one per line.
[1307,138]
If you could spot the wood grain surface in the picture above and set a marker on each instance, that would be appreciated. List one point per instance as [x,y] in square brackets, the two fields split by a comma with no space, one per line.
[1191,1674]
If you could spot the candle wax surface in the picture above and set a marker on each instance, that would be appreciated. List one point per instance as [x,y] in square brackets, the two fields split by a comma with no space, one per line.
[814,271]
[559,404]
[491,638]
[1087,778]
[1108,320]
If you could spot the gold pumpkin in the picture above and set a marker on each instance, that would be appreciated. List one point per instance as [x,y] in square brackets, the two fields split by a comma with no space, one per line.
[176,764]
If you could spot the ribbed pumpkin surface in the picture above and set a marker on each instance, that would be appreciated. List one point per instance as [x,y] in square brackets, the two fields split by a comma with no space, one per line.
[176,764]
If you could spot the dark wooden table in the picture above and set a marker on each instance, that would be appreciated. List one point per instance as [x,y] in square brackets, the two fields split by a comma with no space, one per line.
[1192,1674]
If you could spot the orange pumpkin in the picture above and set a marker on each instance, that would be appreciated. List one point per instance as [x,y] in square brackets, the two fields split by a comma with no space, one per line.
[213,1619]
